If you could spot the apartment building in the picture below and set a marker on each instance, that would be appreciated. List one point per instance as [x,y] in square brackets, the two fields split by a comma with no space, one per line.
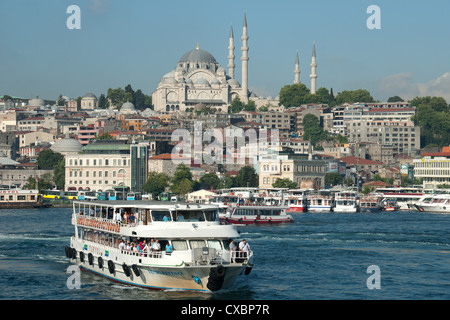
[105,164]
[433,168]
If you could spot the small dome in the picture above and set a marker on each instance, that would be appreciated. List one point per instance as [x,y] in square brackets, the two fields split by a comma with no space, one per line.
[189,81]
[127,106]
[36,102]
[90,95]
[66,145]
[233,82]
[202,81]
[215,81]
[170,81]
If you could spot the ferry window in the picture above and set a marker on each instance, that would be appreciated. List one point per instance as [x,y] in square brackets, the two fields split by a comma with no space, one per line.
[196,244]
[211,215]
[159,215]
[179,245]
[214,244]
[226,244]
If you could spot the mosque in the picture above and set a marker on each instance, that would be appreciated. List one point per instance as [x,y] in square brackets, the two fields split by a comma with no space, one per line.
[198,79]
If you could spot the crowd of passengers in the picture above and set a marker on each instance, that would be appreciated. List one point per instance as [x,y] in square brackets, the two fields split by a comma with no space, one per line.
[127,217]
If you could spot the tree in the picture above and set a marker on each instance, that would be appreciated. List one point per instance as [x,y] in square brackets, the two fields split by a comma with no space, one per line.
[294,95]
[102,101]
[333,178]
[247,177]
[47,159]
[61,101]
[139,100]
[284,183]
[31,183]
[182,179]
[236,105]
[59,174]
[156,183]
[210,181]
[45,182]
[359,95]
[116,97]
[312,130]
[104,136]
[395,99]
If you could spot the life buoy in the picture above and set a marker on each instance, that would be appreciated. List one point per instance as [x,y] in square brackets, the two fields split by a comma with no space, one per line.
[136,270]
[90,259]
[100,263]
[126,270]
[111,266]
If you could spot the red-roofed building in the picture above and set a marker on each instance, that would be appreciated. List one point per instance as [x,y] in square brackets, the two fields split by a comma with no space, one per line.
[362,164]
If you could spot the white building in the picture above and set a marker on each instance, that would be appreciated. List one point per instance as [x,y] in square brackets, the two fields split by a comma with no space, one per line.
[433,168]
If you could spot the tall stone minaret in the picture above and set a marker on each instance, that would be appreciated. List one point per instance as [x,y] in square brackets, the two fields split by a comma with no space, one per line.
[313,75]
[297,71]
[244,60]
[231,54]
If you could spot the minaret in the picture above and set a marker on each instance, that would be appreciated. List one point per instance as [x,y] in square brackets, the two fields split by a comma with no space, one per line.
[244,60]
[297,71]
[313,75]
[231,54]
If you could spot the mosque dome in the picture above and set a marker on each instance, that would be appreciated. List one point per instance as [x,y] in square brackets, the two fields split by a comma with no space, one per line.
[215,81]
[36,102]
[90,95]
[233,83]
[198,55]
[127,107]
[66,145]
[202,81]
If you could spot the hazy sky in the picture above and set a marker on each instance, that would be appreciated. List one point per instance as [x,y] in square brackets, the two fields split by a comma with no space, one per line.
[137,42]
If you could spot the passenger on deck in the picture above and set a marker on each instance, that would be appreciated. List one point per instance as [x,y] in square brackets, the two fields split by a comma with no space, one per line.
[180,217]
[166,218]
[169,248]
[117,217]
[232,249]
[156,248]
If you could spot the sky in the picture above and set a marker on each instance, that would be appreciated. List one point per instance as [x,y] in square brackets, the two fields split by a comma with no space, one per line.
[137,42]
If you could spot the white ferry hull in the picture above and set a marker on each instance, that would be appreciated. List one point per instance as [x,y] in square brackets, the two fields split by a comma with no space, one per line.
[319,209]
[153,276]
[345,209]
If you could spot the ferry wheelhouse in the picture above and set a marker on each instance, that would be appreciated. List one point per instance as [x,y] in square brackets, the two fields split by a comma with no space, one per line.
[346,201]
[193,251]
[320,201]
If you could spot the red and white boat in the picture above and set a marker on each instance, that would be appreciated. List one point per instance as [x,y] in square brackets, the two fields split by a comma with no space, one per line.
[296,200]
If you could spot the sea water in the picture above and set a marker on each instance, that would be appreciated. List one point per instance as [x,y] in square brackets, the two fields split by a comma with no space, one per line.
[321,256]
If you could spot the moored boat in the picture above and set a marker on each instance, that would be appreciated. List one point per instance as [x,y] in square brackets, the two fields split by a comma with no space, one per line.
[346,201]
[18,198]
[320,201]
[254,214]
[439,203]
[370,203]
[173,246]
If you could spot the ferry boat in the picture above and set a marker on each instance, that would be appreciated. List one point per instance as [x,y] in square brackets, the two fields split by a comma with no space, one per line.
[346,201]
[254,214]
[434,203]
[404,196]
[370,203]
[296,200]
[198,256]
[389,205]
[18,198]
[320,201]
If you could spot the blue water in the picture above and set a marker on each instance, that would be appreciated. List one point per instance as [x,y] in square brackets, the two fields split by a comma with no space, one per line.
[320,256]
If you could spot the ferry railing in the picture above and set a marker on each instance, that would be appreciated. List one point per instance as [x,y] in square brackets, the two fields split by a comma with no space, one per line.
[240,256]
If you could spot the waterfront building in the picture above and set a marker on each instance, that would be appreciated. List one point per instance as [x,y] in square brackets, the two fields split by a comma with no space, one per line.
[105,164]
[295,167]
[433,168]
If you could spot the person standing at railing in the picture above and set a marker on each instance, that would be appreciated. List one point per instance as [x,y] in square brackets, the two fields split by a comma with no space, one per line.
[157,248]
[117,217]
[244,247]
[169,249]
[232,249]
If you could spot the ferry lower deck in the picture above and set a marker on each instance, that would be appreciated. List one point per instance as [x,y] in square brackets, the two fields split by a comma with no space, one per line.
[159,245]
